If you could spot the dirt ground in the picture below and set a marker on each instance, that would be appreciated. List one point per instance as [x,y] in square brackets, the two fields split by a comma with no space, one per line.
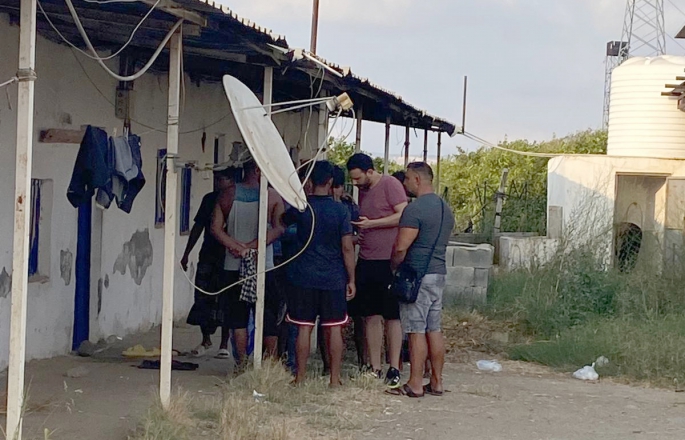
[523,401]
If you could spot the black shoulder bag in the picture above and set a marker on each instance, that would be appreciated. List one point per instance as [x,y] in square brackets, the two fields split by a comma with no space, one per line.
[406,281]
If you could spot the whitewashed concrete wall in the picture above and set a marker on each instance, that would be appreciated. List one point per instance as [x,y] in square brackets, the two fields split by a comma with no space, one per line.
[585,188]
[65,98]
[527,252]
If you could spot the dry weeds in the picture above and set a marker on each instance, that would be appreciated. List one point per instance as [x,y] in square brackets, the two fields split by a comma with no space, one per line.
[311,411]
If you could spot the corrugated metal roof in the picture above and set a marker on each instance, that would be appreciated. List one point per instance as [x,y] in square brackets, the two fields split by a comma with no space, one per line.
[218,8]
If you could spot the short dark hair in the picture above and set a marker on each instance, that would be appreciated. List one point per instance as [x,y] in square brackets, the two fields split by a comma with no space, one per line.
[360,161]
[322,173]
[338,176]
[399,175]
[421,168]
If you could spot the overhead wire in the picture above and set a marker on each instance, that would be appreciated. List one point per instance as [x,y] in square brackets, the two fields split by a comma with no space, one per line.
[9,81]
[128,42]
[143,70]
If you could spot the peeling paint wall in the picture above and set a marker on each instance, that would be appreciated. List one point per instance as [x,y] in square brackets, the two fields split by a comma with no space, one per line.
[136,255]
[130,299]
[66,259]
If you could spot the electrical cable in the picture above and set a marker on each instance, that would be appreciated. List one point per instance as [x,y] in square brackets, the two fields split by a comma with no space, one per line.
[9,81]
[288,261]
[128,42]
[142,124]
[143,70]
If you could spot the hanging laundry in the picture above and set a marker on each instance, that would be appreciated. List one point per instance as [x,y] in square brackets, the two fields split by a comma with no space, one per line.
[124,164]
[91,170]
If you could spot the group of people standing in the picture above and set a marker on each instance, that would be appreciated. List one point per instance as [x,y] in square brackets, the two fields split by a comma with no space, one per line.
[327,282]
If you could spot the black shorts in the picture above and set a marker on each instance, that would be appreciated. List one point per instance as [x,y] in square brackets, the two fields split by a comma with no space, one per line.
[236,312]
[205,311]
[373,296]
[304,305]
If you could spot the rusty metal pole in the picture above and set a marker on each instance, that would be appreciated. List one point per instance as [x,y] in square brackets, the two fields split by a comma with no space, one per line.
[315,26]
[406,147]
[425,145]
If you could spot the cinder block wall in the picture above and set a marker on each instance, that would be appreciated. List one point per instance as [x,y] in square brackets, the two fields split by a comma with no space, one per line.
[468,273]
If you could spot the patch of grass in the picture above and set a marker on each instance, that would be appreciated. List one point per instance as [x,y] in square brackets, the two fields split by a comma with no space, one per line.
[651,349]
[575,309]
[285,412]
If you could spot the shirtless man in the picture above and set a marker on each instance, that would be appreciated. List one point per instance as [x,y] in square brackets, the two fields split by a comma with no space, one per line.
[235,224]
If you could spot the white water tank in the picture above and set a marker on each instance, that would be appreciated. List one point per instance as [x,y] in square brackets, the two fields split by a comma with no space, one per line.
[643,123]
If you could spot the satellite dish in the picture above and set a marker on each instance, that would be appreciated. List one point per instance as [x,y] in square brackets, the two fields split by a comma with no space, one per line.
[264,142]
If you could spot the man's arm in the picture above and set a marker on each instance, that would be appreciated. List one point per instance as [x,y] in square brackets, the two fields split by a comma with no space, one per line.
[276,211]
[221,211]
[194,236]
[405,238]
[390,221]
[348,257]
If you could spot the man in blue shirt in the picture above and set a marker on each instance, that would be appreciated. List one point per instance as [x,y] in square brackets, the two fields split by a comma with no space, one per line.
[323,276]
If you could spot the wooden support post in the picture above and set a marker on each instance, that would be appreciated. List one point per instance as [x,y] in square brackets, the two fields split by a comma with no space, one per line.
[406,147]
[170,217]
[437,173]
[425,145]
[386,155]
[261,236]
[22,213]
[500,201]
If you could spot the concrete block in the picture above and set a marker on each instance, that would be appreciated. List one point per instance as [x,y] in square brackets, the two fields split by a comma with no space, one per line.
[464,296]
[555,221]
[467,255]
[460,276]
[481,277]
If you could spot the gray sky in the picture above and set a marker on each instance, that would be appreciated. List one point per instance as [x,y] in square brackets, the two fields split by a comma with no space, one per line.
[535,67]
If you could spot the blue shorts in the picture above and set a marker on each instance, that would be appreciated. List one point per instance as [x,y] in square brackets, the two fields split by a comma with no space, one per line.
[425,315]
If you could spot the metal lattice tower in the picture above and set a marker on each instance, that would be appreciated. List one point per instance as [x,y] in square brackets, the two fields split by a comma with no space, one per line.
[644,34]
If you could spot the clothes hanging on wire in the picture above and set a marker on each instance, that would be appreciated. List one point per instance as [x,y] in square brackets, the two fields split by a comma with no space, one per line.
[91,170]
[125,166]
[113,166]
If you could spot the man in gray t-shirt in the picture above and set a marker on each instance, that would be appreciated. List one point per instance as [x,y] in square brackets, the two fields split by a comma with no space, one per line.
[425,229]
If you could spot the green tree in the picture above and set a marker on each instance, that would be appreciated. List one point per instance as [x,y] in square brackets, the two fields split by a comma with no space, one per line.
[471,179]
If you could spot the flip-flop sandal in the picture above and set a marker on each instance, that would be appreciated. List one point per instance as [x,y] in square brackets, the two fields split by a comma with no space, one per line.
[223,354]
[428,389]
[404,390]
[198,351]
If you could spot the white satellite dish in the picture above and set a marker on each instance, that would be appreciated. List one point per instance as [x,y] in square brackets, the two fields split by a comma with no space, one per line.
[264,142]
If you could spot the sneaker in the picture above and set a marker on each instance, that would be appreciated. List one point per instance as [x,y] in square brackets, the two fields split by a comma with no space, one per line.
[392,378]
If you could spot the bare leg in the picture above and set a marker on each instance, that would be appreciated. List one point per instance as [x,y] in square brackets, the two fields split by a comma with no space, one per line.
[303,339]
[393,334]
[374,340]
[360,340]
[436,348]
[334,344]
[418,351]
[271,346]
[240,344]
[323,349]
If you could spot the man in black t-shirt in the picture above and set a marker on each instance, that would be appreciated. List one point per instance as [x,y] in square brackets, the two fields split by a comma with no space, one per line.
[322,278]
[204,312]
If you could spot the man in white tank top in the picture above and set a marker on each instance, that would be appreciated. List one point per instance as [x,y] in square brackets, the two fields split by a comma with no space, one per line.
[235,225]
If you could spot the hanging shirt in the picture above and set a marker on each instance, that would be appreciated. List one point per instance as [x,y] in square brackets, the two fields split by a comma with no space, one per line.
[243,224]
[91,170]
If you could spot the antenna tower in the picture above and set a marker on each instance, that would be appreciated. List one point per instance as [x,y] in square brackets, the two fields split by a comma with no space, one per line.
[644,34]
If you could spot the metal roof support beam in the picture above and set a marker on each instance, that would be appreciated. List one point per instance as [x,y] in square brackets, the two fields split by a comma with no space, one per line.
[437,174]
[175,9]
[386,155]
[406,147]
[425,145]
